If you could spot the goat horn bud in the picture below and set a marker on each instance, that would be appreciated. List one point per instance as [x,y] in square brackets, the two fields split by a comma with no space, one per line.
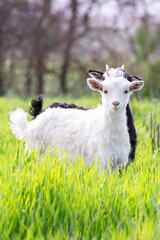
[107,67]
[122,67]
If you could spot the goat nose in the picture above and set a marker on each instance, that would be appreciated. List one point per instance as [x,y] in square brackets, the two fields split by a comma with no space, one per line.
[115,103]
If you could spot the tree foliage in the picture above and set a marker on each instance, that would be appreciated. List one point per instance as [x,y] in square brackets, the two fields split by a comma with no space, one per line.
[47,47]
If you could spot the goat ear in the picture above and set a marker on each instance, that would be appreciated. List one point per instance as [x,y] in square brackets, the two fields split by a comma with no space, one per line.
[95,74]
[94,84]
[136,85]
[136,78]
[131,78]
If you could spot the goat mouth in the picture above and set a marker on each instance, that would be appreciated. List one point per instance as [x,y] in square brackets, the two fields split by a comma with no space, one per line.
[116,108]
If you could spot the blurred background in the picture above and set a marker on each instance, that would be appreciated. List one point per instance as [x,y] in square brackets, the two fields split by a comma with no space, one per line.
[48,46]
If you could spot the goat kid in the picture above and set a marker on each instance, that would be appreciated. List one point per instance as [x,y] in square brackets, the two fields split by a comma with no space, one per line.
[98,134]
[36,104]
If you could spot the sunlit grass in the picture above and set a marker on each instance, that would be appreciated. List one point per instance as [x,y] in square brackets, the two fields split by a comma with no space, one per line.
[44,198]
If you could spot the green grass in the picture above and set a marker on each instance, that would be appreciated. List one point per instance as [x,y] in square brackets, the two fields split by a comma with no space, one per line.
[44,198]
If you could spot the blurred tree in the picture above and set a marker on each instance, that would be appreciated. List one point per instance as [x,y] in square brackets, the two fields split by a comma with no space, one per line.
[41,33]
[47,46]
[78,28]
[69,43]
[35,43]
[4,16]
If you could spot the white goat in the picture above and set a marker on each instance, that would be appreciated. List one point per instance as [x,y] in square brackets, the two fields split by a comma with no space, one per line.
[84,132]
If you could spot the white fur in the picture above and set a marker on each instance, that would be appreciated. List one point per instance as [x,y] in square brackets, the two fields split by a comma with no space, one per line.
[115,72]
[98,134]
[19,123]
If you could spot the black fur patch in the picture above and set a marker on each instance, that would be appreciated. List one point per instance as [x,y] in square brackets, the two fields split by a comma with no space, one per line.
[132,133]
[66,105]
[36,107]
[96,74]
[37,104]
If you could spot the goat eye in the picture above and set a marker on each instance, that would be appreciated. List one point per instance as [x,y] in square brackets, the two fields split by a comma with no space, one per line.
[106,91]
[126,91]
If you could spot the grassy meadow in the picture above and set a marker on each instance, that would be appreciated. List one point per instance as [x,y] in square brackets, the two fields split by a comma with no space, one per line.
[44,198]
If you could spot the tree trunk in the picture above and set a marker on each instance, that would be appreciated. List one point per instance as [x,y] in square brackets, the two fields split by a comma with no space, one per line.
[69,44]
[28,82]
[2,91]
[28,77]
[40,84]
[1,84]
[39,75]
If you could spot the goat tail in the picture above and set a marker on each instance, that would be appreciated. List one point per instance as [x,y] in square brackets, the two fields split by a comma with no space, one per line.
[19,123]
[36,107]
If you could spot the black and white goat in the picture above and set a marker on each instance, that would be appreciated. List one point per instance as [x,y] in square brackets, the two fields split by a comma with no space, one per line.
[37,104]
[98,134]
